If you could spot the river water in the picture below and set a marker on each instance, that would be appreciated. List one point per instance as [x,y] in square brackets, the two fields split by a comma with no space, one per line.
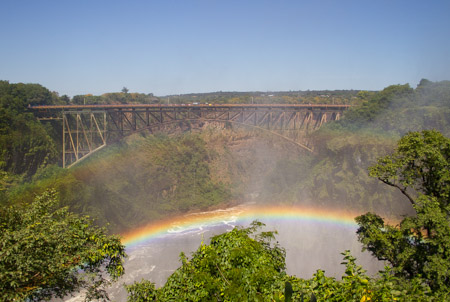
[312,241]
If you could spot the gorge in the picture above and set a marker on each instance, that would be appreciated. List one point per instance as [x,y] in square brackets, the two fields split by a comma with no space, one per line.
[212,178]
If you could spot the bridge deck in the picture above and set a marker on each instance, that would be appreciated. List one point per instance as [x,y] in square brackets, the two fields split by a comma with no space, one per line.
[155,106]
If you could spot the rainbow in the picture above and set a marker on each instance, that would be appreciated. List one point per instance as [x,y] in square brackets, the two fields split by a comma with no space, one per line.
[241,215]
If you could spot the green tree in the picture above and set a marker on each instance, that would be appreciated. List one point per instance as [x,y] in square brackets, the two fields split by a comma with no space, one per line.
[46,252]
[25,144]
[243,266]
[373,105]
[419,165]
[236,266]
[420,245]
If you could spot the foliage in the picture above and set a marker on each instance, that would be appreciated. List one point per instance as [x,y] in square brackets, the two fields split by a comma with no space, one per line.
[236,266]
[7,180]
[46,251]
[25,144]
[417,250]
[123,97]
[132,182]
[420,246]
[336,174]
[421,162]
[142,291]
[220,97]
[243,266]
[399,109]
[273,97]
[370,109]
[174,174]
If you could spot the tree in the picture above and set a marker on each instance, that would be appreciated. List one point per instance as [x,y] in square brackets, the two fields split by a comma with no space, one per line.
[373,105]
[420,165]
[243,266]
[125,90]
[25,144]
[233,267]
[46,252]
[419,245]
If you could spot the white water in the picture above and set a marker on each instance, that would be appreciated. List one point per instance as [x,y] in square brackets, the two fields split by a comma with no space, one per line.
[309,246]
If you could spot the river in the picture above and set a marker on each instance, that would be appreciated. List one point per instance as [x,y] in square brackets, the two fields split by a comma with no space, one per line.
[313,239]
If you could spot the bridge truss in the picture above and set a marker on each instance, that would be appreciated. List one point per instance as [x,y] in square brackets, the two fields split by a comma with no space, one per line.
[88,128]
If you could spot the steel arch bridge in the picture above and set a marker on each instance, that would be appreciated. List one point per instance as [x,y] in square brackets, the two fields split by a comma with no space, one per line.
[88,128]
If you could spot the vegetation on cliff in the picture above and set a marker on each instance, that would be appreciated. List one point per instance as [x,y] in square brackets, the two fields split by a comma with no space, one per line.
[138,180]
[244,265]
[399,109]
[420,245]
[25,144]
[145,177]
[337,173]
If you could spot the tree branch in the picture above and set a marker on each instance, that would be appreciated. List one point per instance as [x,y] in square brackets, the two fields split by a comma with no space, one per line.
[223,277]
[403,190]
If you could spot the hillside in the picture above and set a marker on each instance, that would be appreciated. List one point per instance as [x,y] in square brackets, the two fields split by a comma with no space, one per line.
[146,177]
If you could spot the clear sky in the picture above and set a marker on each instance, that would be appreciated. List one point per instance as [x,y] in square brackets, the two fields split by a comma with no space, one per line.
[188,46]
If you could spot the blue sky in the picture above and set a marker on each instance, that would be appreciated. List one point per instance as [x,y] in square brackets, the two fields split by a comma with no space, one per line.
[187,46]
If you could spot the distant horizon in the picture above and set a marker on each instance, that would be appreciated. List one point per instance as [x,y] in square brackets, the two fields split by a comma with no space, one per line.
[223,91]
[202,46]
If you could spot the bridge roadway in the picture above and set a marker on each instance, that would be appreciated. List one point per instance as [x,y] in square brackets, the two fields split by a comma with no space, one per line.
[153,106]
[87,128]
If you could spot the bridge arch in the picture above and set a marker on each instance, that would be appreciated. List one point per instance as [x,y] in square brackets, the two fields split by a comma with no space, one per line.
[299,144]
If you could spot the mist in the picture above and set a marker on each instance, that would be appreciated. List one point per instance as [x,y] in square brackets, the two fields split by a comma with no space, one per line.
[260,169]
